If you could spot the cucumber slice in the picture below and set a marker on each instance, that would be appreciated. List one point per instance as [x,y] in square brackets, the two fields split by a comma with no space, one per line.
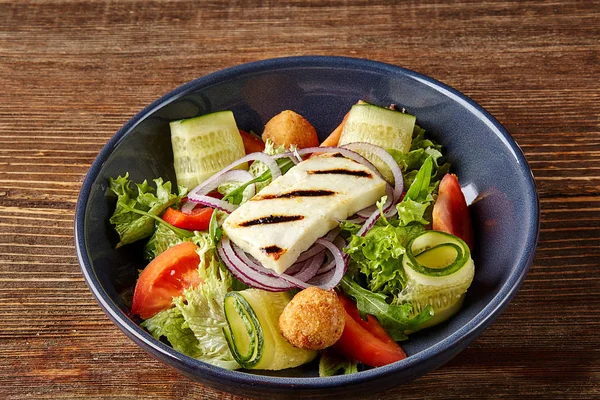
[380,126]
[204,145]
[253,331]
[439,270]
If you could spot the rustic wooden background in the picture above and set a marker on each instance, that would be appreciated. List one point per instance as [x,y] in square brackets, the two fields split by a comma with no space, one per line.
[72,72]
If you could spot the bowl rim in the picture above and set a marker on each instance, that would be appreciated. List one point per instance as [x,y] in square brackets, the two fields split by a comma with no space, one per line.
[458,339]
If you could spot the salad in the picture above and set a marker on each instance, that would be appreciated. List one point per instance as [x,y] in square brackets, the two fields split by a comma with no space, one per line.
[276,250]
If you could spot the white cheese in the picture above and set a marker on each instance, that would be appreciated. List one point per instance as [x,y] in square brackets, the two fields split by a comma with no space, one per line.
[290,214]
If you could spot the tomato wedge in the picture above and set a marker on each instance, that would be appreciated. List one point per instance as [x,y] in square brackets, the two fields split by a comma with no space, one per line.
[450,211]
[252,144]
[366,341]
[197,220]
[166,277]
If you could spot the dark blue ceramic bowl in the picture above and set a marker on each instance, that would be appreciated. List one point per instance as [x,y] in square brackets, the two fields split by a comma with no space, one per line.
[488,162]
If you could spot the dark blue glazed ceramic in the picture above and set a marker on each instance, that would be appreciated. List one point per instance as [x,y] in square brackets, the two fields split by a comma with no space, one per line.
[490,166]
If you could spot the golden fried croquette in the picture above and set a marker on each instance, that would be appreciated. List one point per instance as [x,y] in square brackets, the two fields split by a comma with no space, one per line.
[313,320]
[289,128]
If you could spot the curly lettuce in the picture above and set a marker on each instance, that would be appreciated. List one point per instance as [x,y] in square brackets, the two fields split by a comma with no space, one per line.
[132,218]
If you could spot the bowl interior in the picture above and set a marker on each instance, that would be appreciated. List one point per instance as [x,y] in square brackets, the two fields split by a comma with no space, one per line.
[488,163]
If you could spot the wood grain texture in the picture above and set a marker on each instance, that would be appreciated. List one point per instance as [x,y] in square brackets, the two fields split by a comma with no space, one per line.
[72,72]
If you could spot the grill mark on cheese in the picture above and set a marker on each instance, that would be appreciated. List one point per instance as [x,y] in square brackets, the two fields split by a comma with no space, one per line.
[273,251]
[341,171]
[271,219]
[295,193]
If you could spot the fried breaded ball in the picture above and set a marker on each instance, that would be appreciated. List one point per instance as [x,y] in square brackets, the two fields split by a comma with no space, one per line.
[313,320]
[287,128]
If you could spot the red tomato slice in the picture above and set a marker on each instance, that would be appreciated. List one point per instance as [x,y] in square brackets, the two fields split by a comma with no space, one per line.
[366,341]
[197,220]
[166,277]
[450,211]
[371,324]
[252,144]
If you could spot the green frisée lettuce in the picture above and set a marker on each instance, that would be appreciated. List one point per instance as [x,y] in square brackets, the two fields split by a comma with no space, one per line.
[130,224]
[161,240]
[377,256]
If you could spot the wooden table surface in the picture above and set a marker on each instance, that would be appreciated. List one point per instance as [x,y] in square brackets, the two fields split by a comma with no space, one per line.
[72,72]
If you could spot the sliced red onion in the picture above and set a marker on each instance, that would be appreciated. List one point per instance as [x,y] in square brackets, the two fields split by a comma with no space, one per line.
[245,273]
[333,277]
[317,248]
[256,275]
[311,268]
[229,174]
[198,194]
[387,206]
[222,205]
[292,155]
[348,153]
[387,159]
[369,223]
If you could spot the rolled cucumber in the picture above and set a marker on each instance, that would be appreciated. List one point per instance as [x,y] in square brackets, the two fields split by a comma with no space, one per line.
[380,126]
[253,331]
[439,270]
[204,145]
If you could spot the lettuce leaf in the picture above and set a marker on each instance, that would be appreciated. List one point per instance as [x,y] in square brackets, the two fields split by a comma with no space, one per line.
[171,325]
[395,319]
[133,226]
[202,310]
[378,256]
[331,364]
[420,150]
[161,240]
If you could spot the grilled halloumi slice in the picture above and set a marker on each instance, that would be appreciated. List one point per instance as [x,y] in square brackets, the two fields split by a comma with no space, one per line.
[290,214]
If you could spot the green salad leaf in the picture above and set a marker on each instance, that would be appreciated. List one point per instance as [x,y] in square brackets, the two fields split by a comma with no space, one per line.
[194,325]
[133,216]
[395,319]
[331,363]
[234,192]
[161,240]
[202,309]
[171,325]
[420,149]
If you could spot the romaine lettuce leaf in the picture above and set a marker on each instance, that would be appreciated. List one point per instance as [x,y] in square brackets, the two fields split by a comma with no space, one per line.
[132,226]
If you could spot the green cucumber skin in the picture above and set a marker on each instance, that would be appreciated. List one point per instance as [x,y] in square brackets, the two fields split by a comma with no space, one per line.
[249,325]
[203,145]
[380,126]
[443,288]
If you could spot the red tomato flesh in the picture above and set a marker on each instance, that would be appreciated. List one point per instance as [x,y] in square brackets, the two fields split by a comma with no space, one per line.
[166,277]
[366,341]
[252,144]
[197,220]
[450,211]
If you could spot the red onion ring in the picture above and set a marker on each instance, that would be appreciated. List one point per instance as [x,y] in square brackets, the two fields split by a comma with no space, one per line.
[256,275]
[245,273]
[348,153]
[369,223]
[387,159]
[198,194]
[218,178]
